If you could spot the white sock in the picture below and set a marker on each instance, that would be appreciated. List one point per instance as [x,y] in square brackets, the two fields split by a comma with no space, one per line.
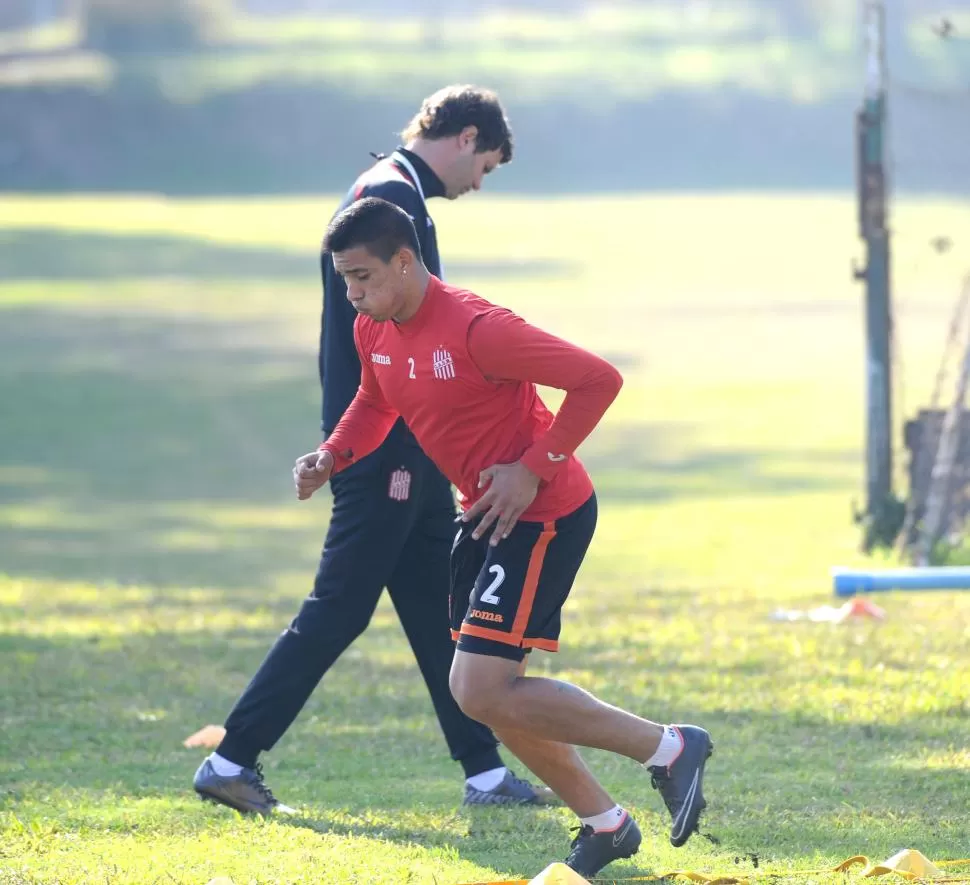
[487,780]
[671,743]
[608,820]
[223,767]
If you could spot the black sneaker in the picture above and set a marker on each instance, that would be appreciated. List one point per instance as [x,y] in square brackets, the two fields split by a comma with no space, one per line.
[592,851]
[511,791]
[245,791]
[681,784]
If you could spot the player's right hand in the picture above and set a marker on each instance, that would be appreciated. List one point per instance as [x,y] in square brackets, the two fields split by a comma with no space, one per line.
[311,472]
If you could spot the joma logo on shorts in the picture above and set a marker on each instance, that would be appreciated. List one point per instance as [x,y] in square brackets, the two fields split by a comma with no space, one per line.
[487,616]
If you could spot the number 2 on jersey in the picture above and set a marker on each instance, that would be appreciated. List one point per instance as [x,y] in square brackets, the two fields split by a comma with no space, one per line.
[488,596]
[411,367]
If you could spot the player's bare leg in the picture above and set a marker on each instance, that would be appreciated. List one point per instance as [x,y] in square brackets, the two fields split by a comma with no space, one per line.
[606,833]
[492,690]
[560,766]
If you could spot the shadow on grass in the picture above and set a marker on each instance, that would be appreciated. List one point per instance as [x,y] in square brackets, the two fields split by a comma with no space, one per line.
[654,463]
[153,449]
[49,254]
[157,449]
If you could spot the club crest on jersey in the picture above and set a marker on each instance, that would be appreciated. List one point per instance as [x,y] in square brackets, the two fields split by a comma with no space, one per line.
[443,364]
[399,488]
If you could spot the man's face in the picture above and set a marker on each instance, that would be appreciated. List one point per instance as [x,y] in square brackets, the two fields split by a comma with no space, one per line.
[374,287]
[469,167]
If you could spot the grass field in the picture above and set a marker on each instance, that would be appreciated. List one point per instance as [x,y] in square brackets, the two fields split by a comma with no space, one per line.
[157,378]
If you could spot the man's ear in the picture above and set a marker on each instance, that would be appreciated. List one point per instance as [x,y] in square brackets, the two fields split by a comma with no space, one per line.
[468,138]
[405,260]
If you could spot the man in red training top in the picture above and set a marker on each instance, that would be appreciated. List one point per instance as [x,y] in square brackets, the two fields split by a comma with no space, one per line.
[462,373]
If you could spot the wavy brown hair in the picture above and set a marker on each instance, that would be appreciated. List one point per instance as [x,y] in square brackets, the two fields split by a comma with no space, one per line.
[452,109]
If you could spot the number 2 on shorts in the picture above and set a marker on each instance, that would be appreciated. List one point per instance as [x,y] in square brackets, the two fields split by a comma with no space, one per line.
[488,596]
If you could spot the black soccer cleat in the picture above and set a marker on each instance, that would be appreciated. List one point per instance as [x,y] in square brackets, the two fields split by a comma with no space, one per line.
[681,784]
[511,791]
[591,850]
[245,791]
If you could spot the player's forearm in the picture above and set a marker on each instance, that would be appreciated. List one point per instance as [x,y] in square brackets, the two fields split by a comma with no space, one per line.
[505,347]
[584,406]
[363,427]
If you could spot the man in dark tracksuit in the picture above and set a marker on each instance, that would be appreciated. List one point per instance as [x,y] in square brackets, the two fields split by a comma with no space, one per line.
[396,494]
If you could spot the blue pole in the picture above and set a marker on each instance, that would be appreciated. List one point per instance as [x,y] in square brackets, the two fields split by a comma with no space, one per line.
[849,582]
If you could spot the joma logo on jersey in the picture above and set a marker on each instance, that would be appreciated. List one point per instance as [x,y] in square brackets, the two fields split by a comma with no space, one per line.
[487,616]
[443,365]
[382,359]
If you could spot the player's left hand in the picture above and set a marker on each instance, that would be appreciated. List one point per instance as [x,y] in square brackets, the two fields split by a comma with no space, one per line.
[311,472]
[511,489]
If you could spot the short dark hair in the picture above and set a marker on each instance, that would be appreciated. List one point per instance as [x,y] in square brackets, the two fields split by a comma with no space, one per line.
[452,109]
[379,226]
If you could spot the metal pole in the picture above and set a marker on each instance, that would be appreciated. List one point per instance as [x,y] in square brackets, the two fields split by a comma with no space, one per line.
[941,482]
[871,124]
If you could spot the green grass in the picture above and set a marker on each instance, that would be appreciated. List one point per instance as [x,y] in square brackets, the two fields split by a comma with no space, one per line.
[157,377]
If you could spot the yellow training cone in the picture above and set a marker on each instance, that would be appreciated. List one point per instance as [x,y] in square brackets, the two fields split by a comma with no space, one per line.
[909,863]
[558,874]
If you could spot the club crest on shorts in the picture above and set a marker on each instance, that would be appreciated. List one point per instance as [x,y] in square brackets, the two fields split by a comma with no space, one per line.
[443,364]
[400,486]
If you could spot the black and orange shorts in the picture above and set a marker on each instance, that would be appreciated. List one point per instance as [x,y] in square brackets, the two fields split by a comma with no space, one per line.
[507,599]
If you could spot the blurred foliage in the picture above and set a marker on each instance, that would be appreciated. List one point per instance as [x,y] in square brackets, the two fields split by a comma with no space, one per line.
[195,96]
[115,26]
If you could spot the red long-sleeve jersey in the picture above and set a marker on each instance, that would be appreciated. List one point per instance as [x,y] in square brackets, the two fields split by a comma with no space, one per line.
[463,374]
